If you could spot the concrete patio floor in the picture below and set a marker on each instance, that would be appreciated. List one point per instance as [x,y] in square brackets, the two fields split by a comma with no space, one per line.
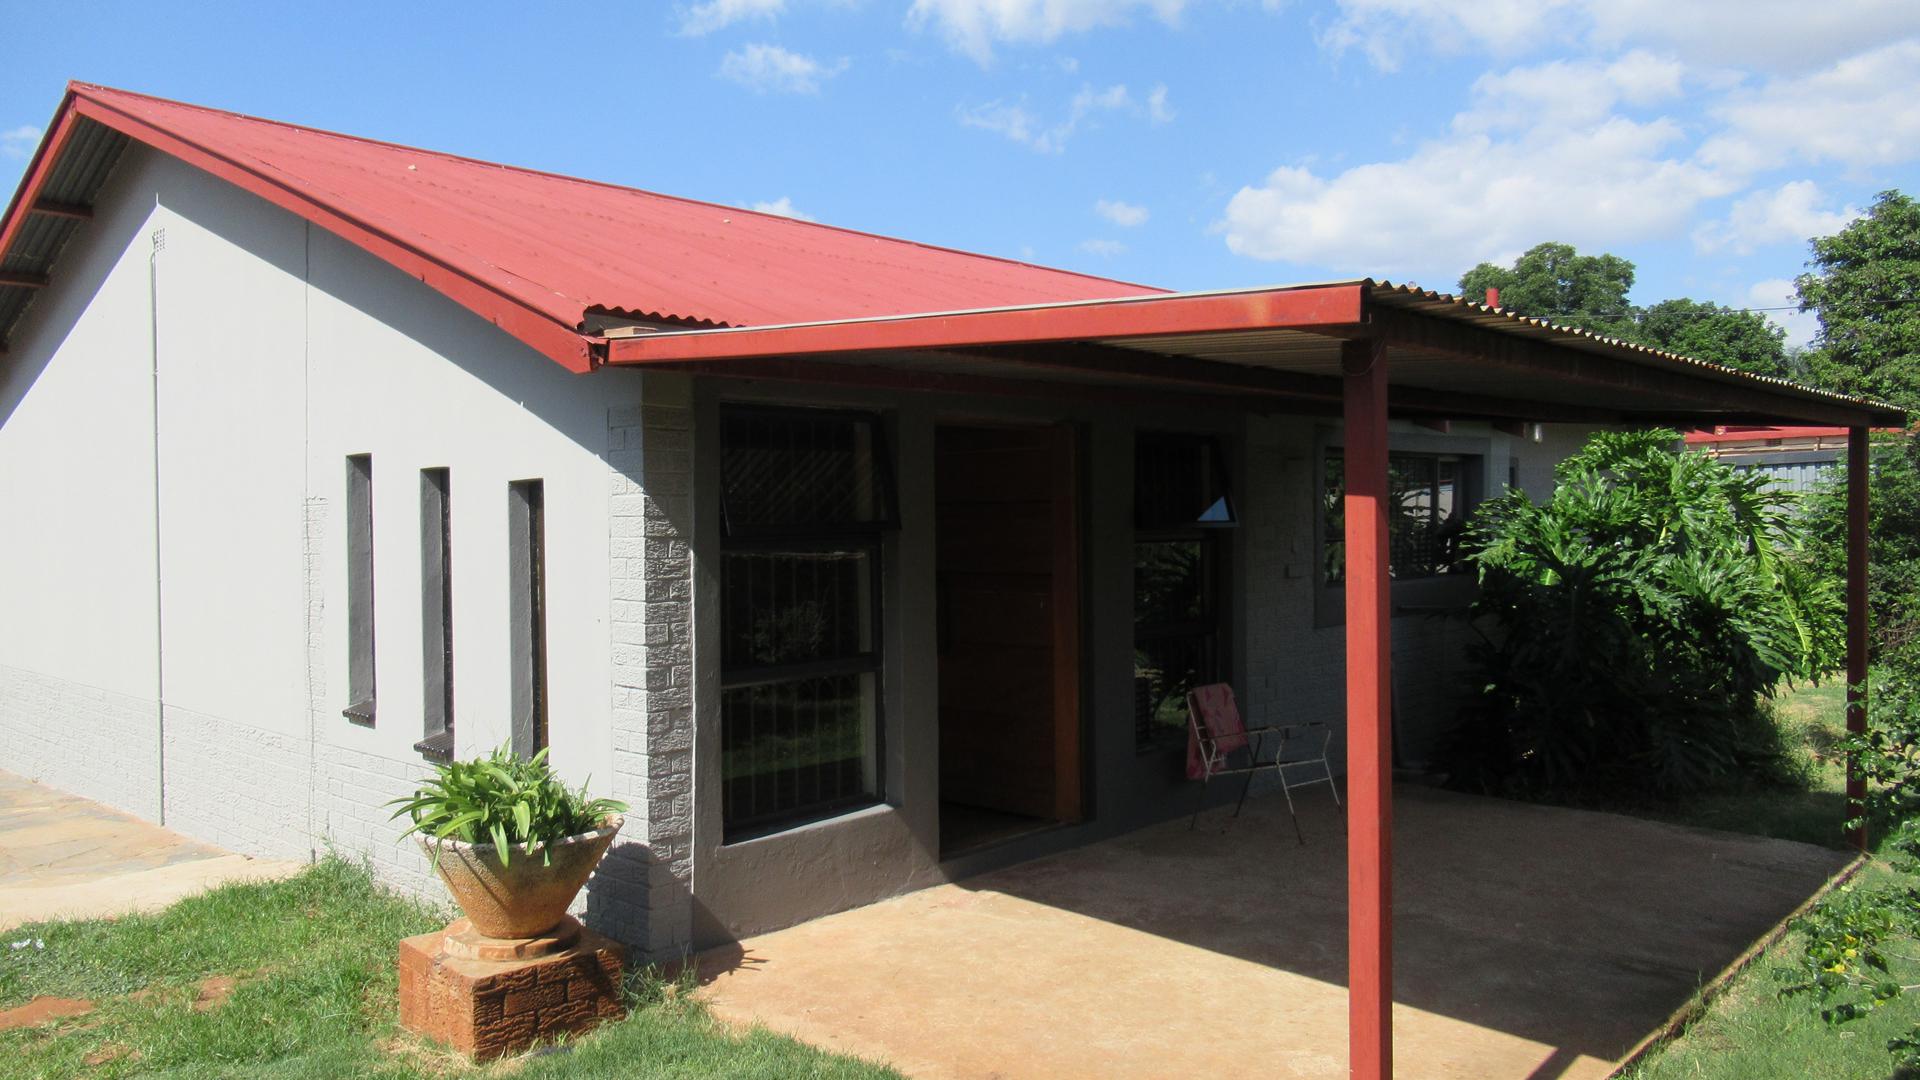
[62,856]
[1532,943]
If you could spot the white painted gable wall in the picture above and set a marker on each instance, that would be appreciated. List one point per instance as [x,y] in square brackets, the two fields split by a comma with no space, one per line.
[282,349]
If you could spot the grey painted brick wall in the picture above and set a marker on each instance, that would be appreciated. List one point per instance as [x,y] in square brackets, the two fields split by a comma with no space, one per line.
[237,786]
[91,742]
[642,893]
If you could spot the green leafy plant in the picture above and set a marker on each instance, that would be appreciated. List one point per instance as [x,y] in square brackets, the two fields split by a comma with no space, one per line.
[1634,625]
[503,799]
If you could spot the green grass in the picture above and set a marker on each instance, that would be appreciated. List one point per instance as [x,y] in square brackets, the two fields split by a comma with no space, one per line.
[316,997]
[1751,1032]
[1812,719]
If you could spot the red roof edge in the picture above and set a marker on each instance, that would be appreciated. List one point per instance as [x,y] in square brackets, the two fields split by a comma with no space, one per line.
[1319,306]
[563,344]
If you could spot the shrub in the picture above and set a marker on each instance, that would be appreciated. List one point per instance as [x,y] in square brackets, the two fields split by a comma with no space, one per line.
[503,799]
[1634,625]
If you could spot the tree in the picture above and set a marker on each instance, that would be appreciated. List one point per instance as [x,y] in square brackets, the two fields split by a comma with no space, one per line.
[1553,281]
[1589,292]
[1635,621]
[1706,331]
[1865,286]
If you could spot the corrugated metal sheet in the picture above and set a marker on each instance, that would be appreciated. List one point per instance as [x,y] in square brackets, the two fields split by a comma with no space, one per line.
[566,247]
[75,179]
[1459,309]
[1793,475]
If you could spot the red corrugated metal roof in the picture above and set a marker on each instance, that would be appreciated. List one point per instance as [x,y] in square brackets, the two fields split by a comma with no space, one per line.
[563,247]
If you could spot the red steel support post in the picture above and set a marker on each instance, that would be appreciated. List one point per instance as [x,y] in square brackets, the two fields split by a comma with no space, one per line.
[1369,702]
[1858,469]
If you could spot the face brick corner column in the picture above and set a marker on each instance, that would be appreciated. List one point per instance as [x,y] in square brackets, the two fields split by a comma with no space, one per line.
[643,891]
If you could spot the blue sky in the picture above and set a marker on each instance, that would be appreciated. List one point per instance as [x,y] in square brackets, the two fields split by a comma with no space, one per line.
[1183,143]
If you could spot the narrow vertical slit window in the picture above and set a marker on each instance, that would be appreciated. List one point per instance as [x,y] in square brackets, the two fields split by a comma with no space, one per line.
[360,589]
[436,616]
[526,557]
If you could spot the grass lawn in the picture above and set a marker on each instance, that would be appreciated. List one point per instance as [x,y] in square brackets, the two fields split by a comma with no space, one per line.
[1812,720]
[1750,1032]
[297,979]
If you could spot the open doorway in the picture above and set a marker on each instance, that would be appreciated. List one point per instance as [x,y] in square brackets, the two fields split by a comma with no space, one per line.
[1008,593]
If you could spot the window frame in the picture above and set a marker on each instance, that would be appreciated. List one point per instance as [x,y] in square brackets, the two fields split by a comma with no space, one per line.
[869,537]
[436,614]
[1213,538]
[1436,592]
[887,495]
[362,659]
[527,615]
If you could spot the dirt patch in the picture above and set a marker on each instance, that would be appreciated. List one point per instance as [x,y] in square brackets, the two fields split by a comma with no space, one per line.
[208,993]
[214,992]
[110,1052]
[43,1010]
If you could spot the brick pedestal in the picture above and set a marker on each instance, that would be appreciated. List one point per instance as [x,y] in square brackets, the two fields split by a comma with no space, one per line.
[489,1008]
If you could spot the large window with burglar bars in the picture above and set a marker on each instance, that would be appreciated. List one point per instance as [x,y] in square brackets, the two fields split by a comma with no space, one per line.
[806,500]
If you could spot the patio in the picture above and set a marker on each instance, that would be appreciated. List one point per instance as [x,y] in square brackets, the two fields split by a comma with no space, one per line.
[1531,943]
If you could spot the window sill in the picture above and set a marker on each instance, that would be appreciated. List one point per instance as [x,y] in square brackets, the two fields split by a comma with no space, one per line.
[437,747]
[360,712]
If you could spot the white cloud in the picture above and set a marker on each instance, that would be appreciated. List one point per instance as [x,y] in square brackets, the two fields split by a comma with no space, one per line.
[1860,112]
[1106,249]
[1791,213]
[1770,35]
[1021,124]
[1386,29]
[1568,92]
[1158,110]
[1124,214]
[1801,326]
[770,67]
[720,14]
[19,142]
[783,207]
[1471,196]
[975,26]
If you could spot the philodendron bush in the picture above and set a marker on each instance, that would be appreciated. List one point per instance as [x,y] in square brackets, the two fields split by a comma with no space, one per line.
[503,799]
[1635,624]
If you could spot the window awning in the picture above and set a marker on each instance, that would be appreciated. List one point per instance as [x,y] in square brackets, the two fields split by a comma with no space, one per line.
[1267,349]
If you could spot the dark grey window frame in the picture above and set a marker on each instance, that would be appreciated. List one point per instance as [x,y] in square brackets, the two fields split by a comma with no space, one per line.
[527,614]
[869,536]
[360,594]
[436,614]
[1216,624]
[1409,595]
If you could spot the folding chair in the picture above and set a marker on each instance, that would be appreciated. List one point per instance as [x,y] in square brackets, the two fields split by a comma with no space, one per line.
[1215,732]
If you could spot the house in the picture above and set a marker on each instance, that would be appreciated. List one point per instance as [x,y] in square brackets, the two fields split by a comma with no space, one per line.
[852,564]
[1797,458]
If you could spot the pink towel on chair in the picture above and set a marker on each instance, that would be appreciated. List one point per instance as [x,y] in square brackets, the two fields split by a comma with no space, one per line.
[1213,709]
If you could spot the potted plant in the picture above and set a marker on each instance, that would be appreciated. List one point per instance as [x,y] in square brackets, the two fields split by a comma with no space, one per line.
[513,844]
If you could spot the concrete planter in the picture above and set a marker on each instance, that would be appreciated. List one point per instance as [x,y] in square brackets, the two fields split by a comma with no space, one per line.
[527,896]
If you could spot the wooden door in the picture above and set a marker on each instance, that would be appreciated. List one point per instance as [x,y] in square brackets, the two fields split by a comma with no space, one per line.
[1009,619]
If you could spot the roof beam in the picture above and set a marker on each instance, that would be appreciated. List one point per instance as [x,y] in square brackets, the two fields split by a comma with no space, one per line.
[1580,367]
[1262,309]
[21,279]
[1249,379]
[875,377]
[52,208]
